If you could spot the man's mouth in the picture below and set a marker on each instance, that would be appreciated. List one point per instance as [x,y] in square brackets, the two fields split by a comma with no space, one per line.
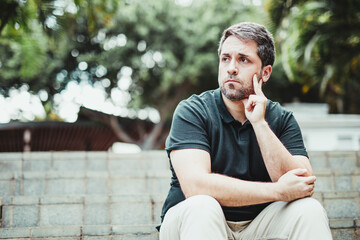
[232,81]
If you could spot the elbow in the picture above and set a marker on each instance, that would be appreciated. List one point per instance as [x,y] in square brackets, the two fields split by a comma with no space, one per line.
[193,187]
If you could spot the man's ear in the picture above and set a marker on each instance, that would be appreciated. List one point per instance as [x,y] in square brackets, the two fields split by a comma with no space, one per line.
[266,72]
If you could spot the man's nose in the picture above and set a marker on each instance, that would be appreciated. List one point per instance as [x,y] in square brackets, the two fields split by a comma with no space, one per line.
[233,70]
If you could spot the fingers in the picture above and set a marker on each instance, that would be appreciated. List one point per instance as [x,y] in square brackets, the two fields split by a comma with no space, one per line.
[310,179]
[258,86]
[311,189]
[299,171]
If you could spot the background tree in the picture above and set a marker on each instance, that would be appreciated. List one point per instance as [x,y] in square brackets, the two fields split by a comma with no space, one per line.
[154,53]
[38,38]
[319,43]
[164,52]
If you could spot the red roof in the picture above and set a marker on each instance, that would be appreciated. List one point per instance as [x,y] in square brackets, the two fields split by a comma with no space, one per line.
[55,136]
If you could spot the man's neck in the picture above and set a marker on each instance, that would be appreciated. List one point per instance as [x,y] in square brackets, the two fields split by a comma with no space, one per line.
[235,108]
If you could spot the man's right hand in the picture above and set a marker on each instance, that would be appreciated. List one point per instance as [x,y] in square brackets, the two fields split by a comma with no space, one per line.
[294,185]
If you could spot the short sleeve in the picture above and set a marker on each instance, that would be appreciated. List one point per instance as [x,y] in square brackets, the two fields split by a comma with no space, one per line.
[188,128]
[291,136]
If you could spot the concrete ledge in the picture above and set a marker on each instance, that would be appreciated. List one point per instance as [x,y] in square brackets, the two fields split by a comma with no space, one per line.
[70,231]
[79,231]
[344,223]
[47,211]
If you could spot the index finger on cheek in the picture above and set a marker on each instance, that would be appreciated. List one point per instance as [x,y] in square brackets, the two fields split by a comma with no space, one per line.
[257,86]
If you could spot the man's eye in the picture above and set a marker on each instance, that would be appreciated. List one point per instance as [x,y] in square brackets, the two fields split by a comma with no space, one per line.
[225,59]
[243,60]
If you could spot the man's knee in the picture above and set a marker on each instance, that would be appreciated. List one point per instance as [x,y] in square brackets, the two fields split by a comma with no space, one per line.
[309,208]
[202,206]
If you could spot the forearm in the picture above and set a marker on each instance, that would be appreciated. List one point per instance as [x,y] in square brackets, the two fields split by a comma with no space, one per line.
[230,191]
[277,158]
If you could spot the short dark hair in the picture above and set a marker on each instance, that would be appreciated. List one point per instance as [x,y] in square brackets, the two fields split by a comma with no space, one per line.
[257,33]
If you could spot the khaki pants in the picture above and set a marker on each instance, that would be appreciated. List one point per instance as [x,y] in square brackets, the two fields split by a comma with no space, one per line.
[201,218]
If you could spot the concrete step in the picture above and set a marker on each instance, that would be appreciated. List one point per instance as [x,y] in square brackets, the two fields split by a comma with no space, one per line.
[343,229]
[31,211]
[49,211]
[95,232]
[156,160]
[340,205]
[335,160]
[83,161]
[32,183]
[333,180]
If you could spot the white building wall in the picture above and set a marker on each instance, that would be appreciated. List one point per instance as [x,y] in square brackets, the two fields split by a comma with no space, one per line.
[326,132]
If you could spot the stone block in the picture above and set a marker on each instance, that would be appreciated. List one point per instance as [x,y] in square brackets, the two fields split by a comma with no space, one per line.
[161,185]
[126,165]
[25,200]
[10,156]
[66,186]
[342,208]
[97,164]
[96,214]
[97,155]
[137,173]
[14,165]
[129,186]
[143,198]
[342,195]
[36,156]
[69,165]
[61,215]
[65,174]
[97,186]
[68,231]
[38,165]
[97,238]
[96,230]
[158,161]
[71,155]
[343,234]
[8,233]
[34,175]
[6,188]
[342,160]
[62,200]
[137,237]
[34,187]
[25,216]
[323,184]
[57,238]
[133,229]
[18,187]
[356,180]
[342,223]
[97,199]
[97,175]
[343,183]
[131,213]
[6,176]
[7,217]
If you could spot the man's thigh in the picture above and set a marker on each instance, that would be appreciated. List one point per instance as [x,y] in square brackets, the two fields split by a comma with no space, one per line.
[198,217]
[301,219]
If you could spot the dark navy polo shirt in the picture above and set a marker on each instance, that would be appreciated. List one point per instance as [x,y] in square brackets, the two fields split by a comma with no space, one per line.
[203,122]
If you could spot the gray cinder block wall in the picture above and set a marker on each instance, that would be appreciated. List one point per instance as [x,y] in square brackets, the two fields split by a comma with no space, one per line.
[102,195]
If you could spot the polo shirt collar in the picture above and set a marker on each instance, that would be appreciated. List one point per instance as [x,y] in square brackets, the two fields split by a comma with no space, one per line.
[224,113]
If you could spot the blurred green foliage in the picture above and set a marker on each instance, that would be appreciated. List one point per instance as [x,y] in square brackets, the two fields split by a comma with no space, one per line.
[319,46]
